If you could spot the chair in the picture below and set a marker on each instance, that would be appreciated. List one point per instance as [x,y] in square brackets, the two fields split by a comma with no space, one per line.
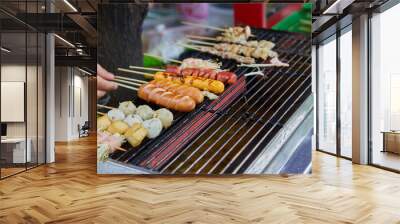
[84,130]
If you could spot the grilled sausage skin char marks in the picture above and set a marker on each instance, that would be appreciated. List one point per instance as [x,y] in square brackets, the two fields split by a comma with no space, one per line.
[211,85]
[153,94]
[184,90]
[223,76]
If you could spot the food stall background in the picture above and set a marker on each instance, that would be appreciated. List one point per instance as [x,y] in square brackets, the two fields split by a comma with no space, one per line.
[163,27]
[163,30]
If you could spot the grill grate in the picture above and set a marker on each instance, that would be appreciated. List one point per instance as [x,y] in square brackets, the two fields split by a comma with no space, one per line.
[224,136]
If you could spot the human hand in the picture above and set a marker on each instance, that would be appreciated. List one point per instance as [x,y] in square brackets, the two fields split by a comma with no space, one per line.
[104,82]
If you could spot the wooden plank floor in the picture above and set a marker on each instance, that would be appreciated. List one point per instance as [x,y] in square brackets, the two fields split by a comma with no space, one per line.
[70,191]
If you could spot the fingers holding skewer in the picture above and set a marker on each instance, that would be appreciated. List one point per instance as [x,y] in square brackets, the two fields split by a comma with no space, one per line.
[126,86]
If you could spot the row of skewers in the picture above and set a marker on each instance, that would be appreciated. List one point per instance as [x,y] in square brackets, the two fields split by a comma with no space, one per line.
[129,123]
[235,43]
[179,87]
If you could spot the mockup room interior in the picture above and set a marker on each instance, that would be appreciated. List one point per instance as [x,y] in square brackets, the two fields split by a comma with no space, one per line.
[41,103]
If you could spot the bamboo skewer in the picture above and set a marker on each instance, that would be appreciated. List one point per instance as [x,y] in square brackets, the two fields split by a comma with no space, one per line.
[262,65]
[126,86]
[131,79]
[203,26]
[149,69]
[135,72]
[193,47]
[161,58]
[207,26]
[202,37]
[101,113]
[256,65]
[106,107]
[202,42]
[120,149]
[128,82]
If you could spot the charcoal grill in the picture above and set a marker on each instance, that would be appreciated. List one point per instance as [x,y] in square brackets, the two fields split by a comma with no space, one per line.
[226,135]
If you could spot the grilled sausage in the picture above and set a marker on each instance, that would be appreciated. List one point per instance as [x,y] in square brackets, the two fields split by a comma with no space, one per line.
[223,76]
[173,69]
[230,77]
[153,94]
[213,86]
[184,90]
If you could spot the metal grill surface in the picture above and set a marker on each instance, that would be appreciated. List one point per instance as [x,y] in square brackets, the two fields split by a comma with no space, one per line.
[224,136]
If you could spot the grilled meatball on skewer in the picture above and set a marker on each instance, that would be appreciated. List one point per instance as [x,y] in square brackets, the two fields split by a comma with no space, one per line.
[145,112]
[115,115]
[127,107]
[133,119]
[153,126]
[103,123]
[165,116]
[135,134]
[118,127]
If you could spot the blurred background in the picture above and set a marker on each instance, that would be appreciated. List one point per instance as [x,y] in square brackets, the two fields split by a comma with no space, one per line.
[162,27]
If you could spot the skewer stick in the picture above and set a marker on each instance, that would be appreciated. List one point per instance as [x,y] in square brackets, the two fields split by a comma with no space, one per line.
[120,149]
[201,42]
[149,69]
[106,107]
[201,37]
[203,26]
[130,79]
[126,86]
[208,26]
[260,65]
[161,58]
[134,72]
[101,113]
[194,47]
[128,82]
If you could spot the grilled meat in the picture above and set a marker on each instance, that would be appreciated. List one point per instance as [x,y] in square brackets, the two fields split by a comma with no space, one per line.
[223,76]
[184,90]
[153,94]
[135,134]
[165,116]
[145,112]
[127,107]
[213,86]
[153,126]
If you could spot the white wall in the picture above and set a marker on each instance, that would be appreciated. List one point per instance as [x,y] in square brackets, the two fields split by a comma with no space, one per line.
[33,127]
[70,83]
[12,73]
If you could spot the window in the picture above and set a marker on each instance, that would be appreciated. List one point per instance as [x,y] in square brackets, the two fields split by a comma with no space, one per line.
[346,93]
[22,77]
[327,96]
[385,89]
